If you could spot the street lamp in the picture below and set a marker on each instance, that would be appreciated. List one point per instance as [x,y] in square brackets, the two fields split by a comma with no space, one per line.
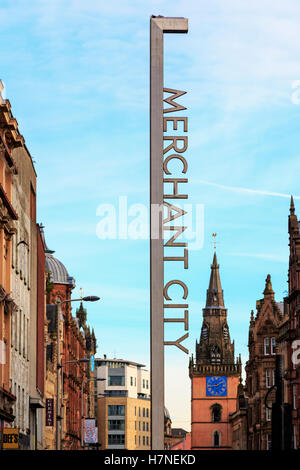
[91,298]
[60,405]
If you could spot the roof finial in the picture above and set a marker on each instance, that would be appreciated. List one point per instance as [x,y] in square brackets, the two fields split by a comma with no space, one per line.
[268,288]
[81,293]
[214,240]
[292,207]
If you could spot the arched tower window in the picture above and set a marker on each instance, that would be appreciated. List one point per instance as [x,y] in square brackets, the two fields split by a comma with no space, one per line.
[225,332]
[216,413]
[205,331]
[217,439]
[215,354]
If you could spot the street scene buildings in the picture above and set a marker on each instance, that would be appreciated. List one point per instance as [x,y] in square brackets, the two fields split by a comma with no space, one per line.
[52,384]
[262,413]
[60,392]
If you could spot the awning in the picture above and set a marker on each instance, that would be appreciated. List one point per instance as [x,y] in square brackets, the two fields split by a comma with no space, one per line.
[36,402]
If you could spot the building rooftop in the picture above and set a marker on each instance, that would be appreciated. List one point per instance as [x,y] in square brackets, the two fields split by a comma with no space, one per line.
[58,271]
[106,359]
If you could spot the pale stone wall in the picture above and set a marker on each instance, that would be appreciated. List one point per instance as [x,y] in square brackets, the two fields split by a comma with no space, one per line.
[50,392]
[24,280]
[137,422]
[137,410]
[21,280]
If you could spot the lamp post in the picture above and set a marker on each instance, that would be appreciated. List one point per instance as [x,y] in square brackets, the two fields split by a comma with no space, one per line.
[59,417]
[60,402]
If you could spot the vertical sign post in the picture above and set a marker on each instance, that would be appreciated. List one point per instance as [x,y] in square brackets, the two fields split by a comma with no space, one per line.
[49,412]
[158,26]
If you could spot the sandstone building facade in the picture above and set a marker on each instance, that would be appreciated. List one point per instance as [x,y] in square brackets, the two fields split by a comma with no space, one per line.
[260,368]
[21,371]
[123,405]
[9,140]
[289,334]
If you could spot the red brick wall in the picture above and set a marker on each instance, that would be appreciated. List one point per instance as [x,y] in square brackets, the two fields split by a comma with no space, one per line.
[183,444]
[202,425]
[72,350]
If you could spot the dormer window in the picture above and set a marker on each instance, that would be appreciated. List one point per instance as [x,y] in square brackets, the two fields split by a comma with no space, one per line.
[273,345]
[267,346]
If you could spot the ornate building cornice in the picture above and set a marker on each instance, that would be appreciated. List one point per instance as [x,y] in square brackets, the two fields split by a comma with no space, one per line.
[214,369]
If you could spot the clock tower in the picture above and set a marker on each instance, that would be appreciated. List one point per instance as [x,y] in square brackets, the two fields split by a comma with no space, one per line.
[215,374]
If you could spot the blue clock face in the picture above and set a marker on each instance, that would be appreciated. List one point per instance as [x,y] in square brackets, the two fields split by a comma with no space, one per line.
[216,386]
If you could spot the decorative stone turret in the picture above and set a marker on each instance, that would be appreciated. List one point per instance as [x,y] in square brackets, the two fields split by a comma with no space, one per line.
[81,315]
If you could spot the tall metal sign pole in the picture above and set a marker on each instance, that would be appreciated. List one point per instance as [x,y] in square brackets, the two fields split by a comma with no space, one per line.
[158,26]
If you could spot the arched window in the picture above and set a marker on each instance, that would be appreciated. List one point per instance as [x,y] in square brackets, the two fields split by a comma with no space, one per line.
[273,345]
[205,331]
[225,332]
[216,412]
[216,439]
[266,346]
[215,354]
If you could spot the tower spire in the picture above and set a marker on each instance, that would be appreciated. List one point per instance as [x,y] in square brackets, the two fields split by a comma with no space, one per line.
[292,207]
[214,297]
[215,346]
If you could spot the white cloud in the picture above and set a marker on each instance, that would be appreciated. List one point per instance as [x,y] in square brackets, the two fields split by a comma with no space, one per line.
[258,192]
[265,256]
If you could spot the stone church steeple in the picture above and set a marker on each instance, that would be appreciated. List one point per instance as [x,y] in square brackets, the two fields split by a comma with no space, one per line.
[214,373]
[214,296]
[215,346]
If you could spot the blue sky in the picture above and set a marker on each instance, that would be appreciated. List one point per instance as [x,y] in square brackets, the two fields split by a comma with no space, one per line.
[77,75]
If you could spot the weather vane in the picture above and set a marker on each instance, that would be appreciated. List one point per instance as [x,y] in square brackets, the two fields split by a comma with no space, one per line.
[81,293]
[214,240]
